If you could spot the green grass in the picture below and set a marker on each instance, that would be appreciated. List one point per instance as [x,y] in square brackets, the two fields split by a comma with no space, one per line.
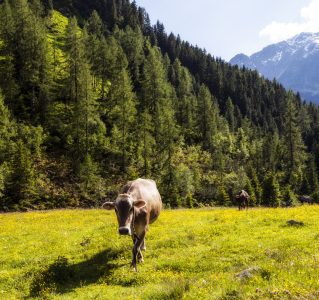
[191,254]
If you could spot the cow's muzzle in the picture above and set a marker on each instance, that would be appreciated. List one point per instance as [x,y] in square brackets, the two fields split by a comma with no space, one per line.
[125,231]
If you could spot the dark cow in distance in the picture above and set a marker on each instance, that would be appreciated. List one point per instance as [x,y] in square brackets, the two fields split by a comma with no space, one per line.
[306,199]
[138,205]
[242,199]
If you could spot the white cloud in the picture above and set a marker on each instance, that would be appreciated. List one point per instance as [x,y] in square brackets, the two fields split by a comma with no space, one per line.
[282,31]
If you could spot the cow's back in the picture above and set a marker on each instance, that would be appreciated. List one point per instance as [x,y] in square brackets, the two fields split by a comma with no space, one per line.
[146,190]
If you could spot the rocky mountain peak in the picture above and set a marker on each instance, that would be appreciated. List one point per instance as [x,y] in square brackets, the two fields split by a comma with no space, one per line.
[294,63]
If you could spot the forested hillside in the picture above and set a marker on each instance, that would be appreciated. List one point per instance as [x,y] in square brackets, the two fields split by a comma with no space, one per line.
[103,97]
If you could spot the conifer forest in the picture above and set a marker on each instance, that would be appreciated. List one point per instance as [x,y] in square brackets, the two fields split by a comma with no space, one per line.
[93,95]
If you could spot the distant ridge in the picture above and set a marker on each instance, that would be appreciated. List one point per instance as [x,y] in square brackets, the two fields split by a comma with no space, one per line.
[294,63]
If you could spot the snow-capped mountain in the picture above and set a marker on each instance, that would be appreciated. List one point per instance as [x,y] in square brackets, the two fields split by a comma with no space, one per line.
[294,63]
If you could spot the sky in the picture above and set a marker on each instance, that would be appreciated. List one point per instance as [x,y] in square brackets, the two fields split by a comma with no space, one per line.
[230,27]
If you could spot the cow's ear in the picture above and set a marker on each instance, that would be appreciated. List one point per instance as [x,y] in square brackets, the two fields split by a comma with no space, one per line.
[108,205]
[139,203]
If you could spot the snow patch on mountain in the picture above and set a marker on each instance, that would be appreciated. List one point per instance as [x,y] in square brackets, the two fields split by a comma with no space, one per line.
[294,63]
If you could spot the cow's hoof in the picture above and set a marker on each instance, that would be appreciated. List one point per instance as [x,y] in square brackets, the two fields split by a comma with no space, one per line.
[143,248]
[134,268]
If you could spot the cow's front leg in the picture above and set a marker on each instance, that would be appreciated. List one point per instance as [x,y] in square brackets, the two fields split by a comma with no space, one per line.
[139,253]
[136,249]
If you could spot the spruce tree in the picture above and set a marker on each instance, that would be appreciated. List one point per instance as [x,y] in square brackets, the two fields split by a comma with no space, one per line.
[103,70]
[75,61]
[293,143]
[185,106]
[229,115]
[6,49]
[313,175]
[95,26]
[20,185]
[204,117]
[146,142]
[251,192]
[7,132]
[39,72]
[123,114]
[168,138]
[154,87]
[270,195]
[287,197]
[88,173]
[222,197]
[305,187]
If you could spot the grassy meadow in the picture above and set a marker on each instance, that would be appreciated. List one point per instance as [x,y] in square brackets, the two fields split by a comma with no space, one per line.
[191,254]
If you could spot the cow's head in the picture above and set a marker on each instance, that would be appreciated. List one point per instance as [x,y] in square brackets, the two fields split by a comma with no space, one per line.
[123,206]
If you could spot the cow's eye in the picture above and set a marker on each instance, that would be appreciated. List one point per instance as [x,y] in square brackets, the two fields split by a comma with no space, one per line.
[131,209]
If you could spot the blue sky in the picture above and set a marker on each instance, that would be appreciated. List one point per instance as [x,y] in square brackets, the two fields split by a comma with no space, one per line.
[229,27]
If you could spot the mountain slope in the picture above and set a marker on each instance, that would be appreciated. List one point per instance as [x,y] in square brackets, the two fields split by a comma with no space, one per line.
[294,63]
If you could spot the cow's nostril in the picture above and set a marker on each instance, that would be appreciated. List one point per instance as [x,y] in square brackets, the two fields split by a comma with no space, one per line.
[123,230]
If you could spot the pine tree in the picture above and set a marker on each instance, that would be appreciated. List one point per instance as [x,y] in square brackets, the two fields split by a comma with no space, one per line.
[287,197]
[103,64]
[313,175]
[204,117]
[270,195]
[132,44]
[315,197]
[185,105]
[222,197]
[20,185]
[147,142]
[88,173]
[95,26]
[123,114]
[7,65]
[238,117]
[154,87]
[48,7]
[229,115]
[31,62]
[7,132]
[168,138]
[39,72]
[75,62]
[293,143]
[174,199]
[250,190]
[305,187]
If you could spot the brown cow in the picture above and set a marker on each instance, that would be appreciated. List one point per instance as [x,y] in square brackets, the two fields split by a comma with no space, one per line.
[242,199]
[138,205]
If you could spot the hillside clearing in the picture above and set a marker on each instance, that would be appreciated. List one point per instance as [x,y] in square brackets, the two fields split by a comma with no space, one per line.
[191,254]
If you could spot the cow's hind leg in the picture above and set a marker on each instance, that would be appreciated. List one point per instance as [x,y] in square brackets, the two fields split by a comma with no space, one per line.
[139,254]
[140,258]
[143,246]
